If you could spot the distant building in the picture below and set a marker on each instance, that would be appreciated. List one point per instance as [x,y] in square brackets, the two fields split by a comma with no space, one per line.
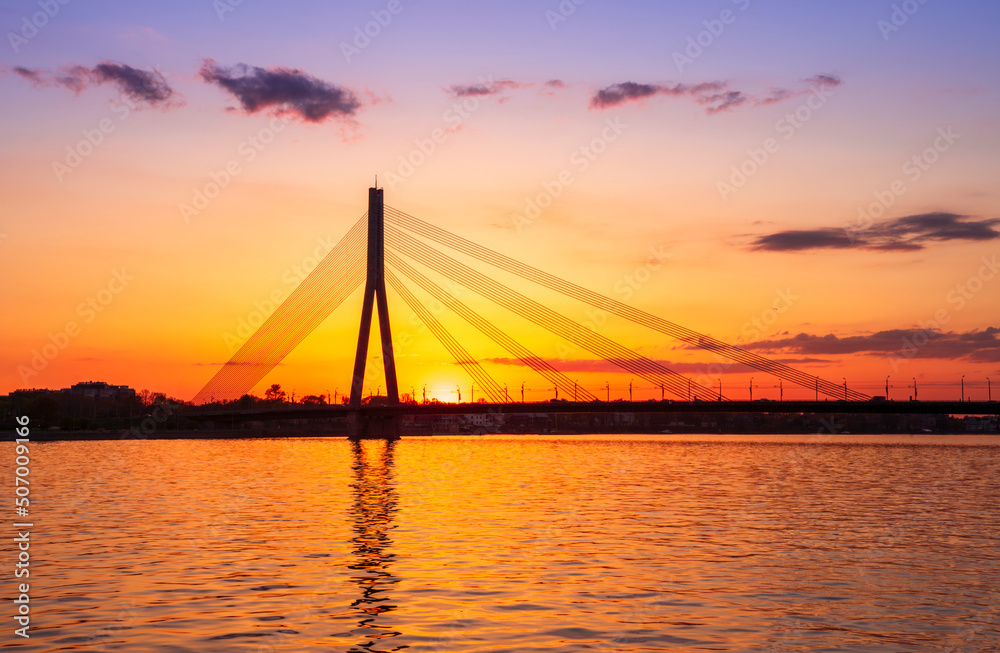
[99,390]
[32,391]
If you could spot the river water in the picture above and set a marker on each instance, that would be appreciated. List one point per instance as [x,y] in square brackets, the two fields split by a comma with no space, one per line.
[513,543]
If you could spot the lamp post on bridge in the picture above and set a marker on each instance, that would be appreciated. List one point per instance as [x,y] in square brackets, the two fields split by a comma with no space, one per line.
[887,387]
[630,390]
[425,393]
[914,388]
[720,389]
[661,392]
[458,388]
[751,389]
[607,386]
[963,389]
[522,392]
[781,391]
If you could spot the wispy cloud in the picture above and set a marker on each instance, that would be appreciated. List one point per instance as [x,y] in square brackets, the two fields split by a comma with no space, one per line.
[286,91]
[715,96]
[486,88]
[553,86]
[584,366]
[908,233]
[148,87]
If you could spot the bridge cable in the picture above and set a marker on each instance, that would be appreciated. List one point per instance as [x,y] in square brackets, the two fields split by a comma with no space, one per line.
[548,319]
[613,306]
[518,351]
[335,278]
[292,323]
[461,355]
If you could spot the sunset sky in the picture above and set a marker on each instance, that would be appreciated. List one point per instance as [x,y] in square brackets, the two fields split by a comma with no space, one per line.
[708,162]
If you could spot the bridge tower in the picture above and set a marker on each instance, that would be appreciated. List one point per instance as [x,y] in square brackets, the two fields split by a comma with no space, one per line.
[375,296]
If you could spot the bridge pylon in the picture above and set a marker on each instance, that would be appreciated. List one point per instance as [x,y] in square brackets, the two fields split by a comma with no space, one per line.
[375,296]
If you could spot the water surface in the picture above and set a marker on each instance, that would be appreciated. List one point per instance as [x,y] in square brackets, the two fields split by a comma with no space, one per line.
[520,543]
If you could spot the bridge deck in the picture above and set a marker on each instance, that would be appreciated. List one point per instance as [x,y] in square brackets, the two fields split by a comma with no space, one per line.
[824,407]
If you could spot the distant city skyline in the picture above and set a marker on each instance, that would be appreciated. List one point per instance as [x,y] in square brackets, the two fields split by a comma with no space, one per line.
[813,183]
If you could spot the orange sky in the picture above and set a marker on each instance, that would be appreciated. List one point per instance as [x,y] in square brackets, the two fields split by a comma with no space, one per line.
[650,170]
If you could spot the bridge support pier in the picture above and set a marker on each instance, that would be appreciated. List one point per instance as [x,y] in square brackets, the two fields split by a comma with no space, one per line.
[362,425]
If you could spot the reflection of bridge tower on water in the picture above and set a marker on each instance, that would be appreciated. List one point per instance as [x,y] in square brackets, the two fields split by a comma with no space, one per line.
[366,426]
[373,512]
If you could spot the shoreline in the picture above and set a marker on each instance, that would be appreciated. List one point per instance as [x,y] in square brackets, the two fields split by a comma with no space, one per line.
[698,436]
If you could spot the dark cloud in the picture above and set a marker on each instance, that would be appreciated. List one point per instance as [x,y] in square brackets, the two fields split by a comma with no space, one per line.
[908,233]
[75,78]
[776,95]
[717,97]
[940,227]
[976,345]
[625,92]
[553,86]
[33,75]
[793,241]
[286,91]
[144,86]
[723,101]
[486,88]
[824,80]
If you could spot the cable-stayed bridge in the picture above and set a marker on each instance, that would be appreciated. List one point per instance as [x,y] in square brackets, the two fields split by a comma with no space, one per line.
[388,246]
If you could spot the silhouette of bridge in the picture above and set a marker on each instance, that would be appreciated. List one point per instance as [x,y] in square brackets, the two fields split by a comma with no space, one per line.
[386,244]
